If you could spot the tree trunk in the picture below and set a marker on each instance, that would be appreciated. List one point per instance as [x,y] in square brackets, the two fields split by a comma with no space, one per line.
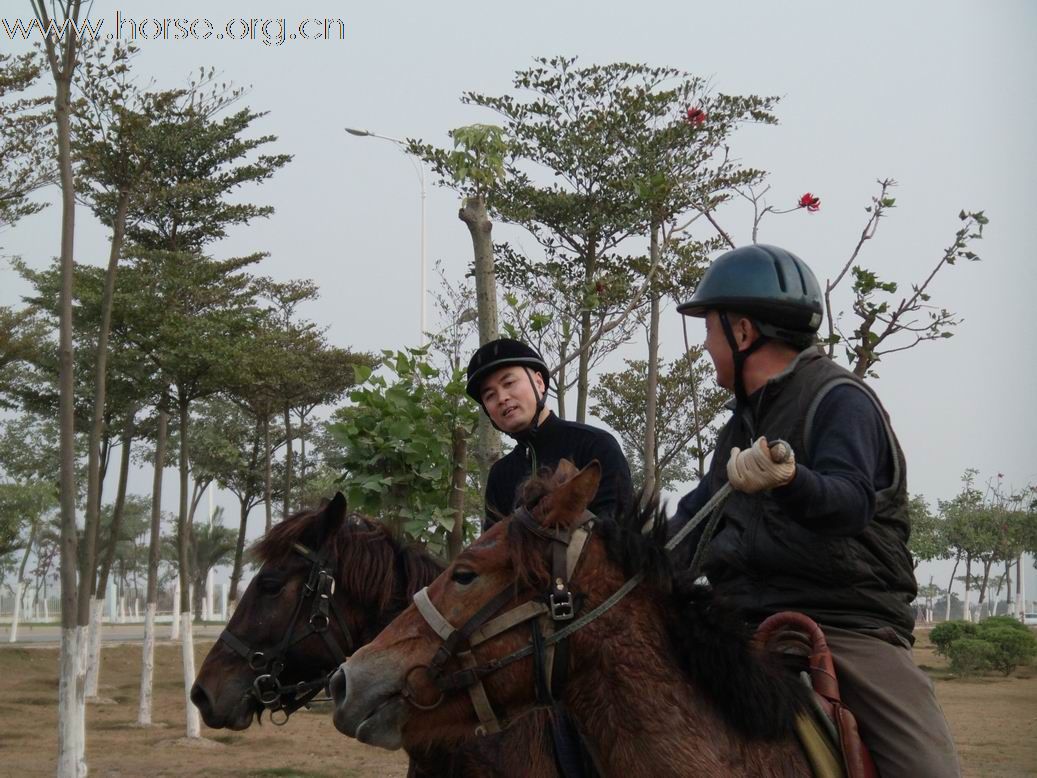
[950,585]
[93,668]
[652,383]
[93,485]
[302,462]
[287,461]
[71,701]
[458,456]
[583,378]
[186,635]
[968,587]
[473,213]
[147,672]
[22,584]
[267,474]
[983,586]
[560,375]
[1020,606]
[239,553]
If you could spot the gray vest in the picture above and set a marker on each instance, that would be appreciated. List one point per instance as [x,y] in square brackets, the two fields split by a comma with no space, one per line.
[766,562]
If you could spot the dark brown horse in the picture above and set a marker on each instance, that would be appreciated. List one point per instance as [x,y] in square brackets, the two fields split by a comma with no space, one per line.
[270,636]
[664,682]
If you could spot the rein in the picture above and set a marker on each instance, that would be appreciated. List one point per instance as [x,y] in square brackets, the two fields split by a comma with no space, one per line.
[284,700]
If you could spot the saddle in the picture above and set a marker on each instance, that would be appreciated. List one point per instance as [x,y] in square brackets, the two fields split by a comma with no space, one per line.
[830,736]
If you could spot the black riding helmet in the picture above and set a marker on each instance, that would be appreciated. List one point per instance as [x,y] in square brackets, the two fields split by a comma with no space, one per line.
[772,286]
[506,352]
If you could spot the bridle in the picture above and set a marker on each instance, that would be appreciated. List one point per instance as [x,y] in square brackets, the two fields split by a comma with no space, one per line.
[284,700]
[546,615]
[552,618]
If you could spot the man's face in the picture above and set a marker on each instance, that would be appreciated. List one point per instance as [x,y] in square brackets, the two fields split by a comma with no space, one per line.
[508,398]
[719,351]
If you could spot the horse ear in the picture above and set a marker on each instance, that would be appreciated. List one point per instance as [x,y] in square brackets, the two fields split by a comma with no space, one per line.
[565,471]
[334,513]
[570,500]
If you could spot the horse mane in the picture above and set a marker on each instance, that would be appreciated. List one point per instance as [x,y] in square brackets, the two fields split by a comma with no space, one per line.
[369,561]
[709,639]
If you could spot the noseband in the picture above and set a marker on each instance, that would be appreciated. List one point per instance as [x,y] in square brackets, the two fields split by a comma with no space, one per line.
[546,614]
[284,700]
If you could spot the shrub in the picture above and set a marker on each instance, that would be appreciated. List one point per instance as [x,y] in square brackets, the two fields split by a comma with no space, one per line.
[970,656]
[1001,621]
[1011,647]
[942,635]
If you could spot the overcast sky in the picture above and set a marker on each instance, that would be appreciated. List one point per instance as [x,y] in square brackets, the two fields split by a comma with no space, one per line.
[938,95]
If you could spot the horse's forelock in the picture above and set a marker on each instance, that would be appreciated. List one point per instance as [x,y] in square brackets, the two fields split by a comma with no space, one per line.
[276,545]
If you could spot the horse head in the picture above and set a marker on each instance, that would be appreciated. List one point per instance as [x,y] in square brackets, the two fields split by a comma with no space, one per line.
[407,686]
[328,582]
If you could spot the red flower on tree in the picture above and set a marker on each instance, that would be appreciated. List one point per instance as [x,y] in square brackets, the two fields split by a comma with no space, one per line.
[810,202]
[696,116]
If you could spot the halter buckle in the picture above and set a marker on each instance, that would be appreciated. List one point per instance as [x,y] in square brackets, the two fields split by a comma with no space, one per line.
[562,606]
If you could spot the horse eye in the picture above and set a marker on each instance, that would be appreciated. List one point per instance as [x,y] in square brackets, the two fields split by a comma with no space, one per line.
[270,585]
[464,577]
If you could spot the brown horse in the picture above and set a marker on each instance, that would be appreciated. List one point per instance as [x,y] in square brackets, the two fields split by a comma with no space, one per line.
[269,637]
[665,682]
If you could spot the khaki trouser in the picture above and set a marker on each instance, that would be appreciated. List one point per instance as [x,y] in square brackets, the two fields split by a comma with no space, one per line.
[900,720]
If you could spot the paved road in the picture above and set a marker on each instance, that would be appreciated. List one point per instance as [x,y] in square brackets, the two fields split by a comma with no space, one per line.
[40,635]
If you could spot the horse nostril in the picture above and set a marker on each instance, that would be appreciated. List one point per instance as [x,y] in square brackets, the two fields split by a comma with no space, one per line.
[201,700]
[337,685]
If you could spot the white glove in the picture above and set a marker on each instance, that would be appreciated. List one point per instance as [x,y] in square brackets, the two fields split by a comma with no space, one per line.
[755,469]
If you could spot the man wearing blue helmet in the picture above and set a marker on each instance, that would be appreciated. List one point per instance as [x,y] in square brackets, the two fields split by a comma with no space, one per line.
[824,533]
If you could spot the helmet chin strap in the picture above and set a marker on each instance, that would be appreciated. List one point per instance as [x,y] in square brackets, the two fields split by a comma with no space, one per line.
[739,356]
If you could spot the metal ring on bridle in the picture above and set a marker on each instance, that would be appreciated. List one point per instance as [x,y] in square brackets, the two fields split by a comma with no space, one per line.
[320,621]
[407,692]
[273,717]
[272,693]
[257,661]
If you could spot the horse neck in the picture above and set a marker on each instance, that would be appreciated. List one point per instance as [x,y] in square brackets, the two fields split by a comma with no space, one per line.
[640,714]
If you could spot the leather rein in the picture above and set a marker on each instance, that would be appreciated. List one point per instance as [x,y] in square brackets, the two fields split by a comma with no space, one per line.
[268,691]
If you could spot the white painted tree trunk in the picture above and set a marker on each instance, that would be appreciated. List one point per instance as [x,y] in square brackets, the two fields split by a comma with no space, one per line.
[68,745]
[174,633]
[136,608]
[93,659]
[122,609]
[46,610]
[966,612]
[224,615]
[147,671]
[194,724]
[209,583]
[19,593]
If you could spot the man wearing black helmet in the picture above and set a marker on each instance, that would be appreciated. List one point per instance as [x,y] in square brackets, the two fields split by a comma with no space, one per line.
[824,533]
[509,379]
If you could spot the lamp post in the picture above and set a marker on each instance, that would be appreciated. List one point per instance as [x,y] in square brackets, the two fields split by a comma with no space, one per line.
[419,167]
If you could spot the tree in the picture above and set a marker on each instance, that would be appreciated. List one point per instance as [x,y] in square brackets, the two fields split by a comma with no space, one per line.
[25,137]
[684,416]
[474,168]
[193,315]
[23,508]
[397,446]
[928,539]
[62,55]
[587,128]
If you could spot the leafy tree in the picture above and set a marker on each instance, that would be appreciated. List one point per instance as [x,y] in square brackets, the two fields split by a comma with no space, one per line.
[928,539]
[396,445]
[26,137]
[684,425]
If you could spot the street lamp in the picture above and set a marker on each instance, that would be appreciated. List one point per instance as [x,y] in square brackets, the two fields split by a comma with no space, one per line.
[420,169]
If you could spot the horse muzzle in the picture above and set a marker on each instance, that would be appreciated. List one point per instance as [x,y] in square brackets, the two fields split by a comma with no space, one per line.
[367,707]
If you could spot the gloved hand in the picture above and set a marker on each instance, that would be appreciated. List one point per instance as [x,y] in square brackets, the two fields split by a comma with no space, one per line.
[755,469]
